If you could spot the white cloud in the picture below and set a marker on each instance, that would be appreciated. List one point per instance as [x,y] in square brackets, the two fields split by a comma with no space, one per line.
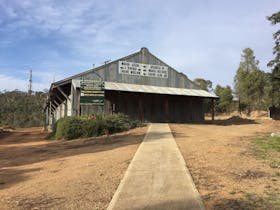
[43,81]
[12,83]
[195,37]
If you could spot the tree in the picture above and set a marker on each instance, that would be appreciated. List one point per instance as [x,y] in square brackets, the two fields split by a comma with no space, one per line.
[250,81]
[275,63]
[19,109]
[275,19]
[274,89]
[259,82]
[204,84]
[225,98]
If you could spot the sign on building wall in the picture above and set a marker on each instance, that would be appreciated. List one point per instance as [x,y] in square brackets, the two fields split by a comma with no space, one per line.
[141,69]
[92,92]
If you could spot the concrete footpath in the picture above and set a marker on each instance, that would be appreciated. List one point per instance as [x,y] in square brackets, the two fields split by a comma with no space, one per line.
[157,177]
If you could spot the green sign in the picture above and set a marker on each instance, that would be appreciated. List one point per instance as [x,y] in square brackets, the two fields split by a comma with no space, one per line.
[92,92]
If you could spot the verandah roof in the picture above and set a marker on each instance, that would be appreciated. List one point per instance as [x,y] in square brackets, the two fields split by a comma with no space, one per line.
[157,90]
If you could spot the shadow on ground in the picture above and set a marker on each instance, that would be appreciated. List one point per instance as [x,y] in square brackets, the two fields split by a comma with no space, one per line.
[21,155]
[235,120]
[43,201]
[10,137]
[244,204]
[167,205]
[9,177]
[17,155]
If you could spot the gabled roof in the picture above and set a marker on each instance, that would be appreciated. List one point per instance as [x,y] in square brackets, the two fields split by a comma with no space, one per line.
[146,88]
[67,80]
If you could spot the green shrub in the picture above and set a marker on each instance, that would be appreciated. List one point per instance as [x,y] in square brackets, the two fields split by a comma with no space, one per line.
[76,127]
[117,123]
[69,128]
[120,122]
[94,127]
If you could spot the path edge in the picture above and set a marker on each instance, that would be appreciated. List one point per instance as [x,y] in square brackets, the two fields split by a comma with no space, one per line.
[127,172]
[199,199]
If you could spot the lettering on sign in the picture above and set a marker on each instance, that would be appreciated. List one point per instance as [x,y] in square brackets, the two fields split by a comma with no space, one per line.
[92,92]
[141,69]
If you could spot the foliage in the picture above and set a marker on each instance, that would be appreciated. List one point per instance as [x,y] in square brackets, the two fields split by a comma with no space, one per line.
[225,98]
[275,19]
[120,122]
[69,128]
[76,127]
[275,63]
[95,127]
[250,82]
[19,109]
[275,86]
[204,84]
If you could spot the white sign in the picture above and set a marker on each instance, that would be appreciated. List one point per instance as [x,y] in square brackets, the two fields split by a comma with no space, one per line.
[141,69]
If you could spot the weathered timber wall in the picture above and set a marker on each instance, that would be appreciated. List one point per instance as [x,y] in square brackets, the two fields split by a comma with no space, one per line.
[155,107]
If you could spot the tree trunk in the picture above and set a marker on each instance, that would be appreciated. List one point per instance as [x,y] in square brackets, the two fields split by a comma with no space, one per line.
[249,111]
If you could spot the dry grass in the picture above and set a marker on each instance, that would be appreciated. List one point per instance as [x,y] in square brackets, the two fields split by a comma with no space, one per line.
[222,161]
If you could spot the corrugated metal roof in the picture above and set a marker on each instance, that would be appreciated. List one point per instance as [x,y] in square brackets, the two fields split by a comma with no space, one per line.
[157,90]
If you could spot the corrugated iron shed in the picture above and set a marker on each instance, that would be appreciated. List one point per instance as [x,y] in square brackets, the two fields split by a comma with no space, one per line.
[140,85]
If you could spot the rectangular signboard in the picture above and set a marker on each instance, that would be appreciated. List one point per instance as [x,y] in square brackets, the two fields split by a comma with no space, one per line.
[141,69]
[92,92]
[92,100]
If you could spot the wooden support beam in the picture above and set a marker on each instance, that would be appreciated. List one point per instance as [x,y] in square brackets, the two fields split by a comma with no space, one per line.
[60,100]
[52,110]
[46,120]
[61,91]
[56,103]
[78,93]
[65,109]
[213,109]
[73,110]
[52,106]
[49,113]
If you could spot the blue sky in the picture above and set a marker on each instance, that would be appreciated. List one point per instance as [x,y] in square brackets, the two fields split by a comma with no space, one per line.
[202,38]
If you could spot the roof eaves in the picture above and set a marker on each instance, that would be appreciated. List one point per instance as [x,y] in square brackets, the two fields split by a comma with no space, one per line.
[157,90]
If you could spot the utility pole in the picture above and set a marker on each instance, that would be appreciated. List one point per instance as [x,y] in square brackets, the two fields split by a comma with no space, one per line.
[30,83]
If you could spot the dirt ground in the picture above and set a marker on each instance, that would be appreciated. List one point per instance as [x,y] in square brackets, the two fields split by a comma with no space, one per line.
[78,174]
[220,158]
[84,174]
